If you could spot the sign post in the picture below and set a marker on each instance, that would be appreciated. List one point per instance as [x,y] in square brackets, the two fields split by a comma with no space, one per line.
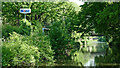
[25,17]
[25,11]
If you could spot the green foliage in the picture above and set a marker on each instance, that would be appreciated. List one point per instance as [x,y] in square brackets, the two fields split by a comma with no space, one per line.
[109,20]
[27,50]
[6,29]
[85,49]
[112,56]
[95,46]
[103,18]
[45,12]
[99,20]
[86,18]
[60,38]
[23,29]
[42,41]
[102,39]
[80,58]
[17,52]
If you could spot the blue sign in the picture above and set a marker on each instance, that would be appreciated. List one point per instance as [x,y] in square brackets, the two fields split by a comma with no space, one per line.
[25,10]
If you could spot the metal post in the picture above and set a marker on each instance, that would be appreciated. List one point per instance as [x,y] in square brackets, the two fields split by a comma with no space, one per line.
[25,18]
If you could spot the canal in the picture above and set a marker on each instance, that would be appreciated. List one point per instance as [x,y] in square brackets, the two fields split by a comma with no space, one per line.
[85,58]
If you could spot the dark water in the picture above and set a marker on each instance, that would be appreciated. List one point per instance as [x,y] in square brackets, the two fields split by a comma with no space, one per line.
[91,61]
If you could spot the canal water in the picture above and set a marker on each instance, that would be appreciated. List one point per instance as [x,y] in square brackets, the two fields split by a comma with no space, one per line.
[91,61]
[84,59]
[100,48]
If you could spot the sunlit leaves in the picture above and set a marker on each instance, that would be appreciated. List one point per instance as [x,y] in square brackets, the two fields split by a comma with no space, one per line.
[19,51]
[43,11]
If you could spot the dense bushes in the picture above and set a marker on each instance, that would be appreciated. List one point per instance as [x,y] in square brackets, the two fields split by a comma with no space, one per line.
[42,41]
[6,29]
[23,29]
[60,39]
[17,52]
[111,56]
[27,50]
[46,13]
[29,34]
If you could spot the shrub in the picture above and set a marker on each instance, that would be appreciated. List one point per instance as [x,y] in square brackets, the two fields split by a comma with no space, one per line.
[23,29]
[42,41]
[111,56]
[27,50]
[6,29]
[60,39]
[17,52]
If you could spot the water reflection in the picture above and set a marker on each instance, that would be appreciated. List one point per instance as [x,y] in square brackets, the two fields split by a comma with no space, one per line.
[80,58]
[91,62]
[87,57]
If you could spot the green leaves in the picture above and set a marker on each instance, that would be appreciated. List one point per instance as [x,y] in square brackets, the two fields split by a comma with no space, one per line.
[29,42]
[43,43]
[60,38]
[108,19]
[43,11]
[19,51]
[26,50]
